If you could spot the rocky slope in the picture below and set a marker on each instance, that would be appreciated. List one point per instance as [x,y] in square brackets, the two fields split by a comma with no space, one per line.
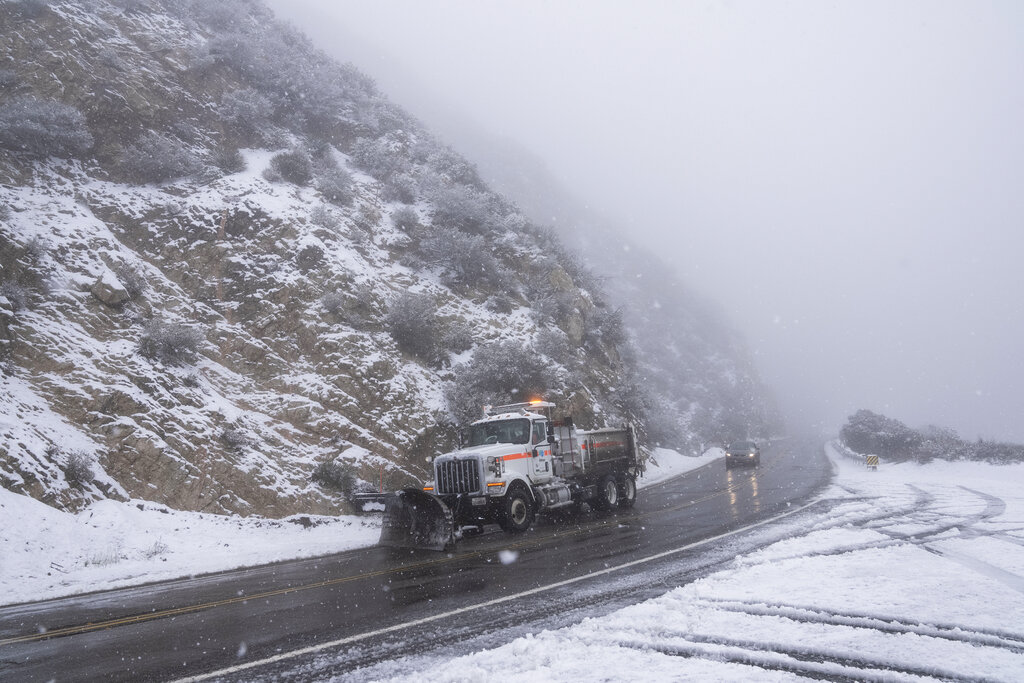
[235,278]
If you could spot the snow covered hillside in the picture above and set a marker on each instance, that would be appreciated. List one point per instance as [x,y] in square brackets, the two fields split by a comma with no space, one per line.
[237,279]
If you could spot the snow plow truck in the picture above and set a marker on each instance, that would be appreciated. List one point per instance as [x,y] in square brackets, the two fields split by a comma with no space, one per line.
[513,464]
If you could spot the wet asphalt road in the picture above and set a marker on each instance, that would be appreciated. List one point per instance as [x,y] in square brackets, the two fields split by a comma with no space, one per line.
[367,605]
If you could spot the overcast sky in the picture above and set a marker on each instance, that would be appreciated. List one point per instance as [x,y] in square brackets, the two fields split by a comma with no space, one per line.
[845,178]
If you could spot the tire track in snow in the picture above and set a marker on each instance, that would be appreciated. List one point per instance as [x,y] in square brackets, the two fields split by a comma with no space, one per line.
[1005,640]
[809,662]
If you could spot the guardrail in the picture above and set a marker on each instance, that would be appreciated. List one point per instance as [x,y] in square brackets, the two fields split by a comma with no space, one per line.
[869,461]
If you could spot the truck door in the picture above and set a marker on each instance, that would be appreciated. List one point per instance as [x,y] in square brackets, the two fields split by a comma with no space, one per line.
[541,450]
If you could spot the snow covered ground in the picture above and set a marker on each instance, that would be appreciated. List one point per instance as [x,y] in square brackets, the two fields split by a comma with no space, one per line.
[914,572]
[47,553]
[908,573]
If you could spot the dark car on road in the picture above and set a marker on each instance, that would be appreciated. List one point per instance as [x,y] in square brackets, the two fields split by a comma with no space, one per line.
[742,453]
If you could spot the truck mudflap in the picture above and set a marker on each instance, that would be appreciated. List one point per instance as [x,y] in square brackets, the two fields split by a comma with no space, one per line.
[414,518]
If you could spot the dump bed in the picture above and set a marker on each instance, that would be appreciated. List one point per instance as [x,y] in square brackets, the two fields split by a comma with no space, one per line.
[585,456]
[609,448]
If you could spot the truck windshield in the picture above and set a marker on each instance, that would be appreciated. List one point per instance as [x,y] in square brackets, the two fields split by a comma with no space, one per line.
[500,431]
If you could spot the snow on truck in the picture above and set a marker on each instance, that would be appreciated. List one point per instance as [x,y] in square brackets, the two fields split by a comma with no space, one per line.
[514,463]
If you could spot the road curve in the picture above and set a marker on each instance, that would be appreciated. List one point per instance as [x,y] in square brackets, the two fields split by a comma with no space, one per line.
[362,606]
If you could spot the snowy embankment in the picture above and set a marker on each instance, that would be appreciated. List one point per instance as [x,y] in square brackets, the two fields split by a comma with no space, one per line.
[48,553]
[913,572]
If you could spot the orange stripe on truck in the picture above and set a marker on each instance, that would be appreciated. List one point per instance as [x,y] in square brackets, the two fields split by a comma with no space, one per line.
[515,456]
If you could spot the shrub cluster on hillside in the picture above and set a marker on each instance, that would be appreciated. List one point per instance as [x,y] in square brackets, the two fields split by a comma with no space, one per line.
[498,373]
[874,434]
[170,343]
[43,127]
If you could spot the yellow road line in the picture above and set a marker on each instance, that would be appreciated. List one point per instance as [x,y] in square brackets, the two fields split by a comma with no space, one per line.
[188,609]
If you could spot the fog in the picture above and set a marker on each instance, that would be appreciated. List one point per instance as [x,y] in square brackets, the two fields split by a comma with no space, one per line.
[845,179]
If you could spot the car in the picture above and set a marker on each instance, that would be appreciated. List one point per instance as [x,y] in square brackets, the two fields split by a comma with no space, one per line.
[742,453]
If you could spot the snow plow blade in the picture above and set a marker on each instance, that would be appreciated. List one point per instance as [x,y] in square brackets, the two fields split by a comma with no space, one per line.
[416,519]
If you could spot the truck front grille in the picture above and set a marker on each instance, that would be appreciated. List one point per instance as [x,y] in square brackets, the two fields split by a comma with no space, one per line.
[458,476]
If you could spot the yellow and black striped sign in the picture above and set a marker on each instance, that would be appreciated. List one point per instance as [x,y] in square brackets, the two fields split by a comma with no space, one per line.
[872,461]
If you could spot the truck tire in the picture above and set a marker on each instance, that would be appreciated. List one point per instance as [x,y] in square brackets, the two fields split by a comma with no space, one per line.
[518,513]
[607,493]
[627,492]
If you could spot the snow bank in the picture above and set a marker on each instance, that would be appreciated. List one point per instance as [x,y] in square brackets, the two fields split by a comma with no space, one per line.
[49,553]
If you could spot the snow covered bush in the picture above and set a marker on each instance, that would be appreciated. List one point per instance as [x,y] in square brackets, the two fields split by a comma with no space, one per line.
[156,158]
[229,160]
[457,337]
[43,127]
[170,343]
[461,208]
[16,294]
[333,302]
[381,158]
[873,434]
[501,372]
[336,186]
[412,322]
[554,343]
[250,113]
[605,327]
[500,303]
[465,259]
[324,217]
[400,187]
[293,166]
[405,219]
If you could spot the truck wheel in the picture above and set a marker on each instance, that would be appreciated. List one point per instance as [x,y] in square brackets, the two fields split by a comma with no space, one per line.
[518,514]
[607,494]
[627,492]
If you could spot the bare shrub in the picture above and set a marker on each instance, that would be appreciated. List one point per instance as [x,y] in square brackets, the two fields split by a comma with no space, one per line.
[132,279]
[335,474]
[171,343]
[367,218]
[309,257]
[235,438]
[78,468]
